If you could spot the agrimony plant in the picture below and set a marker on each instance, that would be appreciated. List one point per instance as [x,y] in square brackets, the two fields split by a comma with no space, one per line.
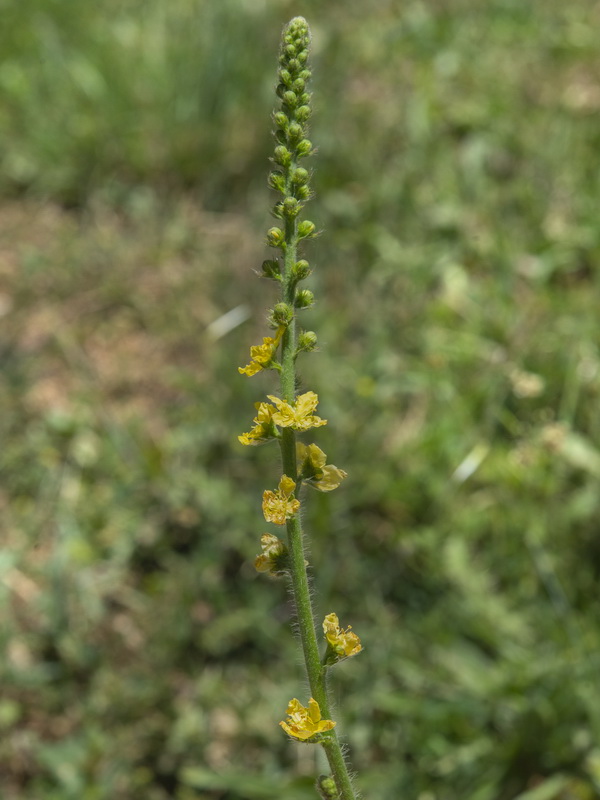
[283,419]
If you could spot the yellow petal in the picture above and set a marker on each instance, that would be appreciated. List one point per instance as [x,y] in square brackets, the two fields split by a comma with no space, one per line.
[306,403]
[301,452]
[262,563]
[330,478]
[286,485]
[317,456]
[314,712]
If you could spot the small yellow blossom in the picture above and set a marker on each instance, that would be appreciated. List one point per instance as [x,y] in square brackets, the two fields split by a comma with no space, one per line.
[272,549]
[298,416]
[277,506]
[344,643]
[304,723]
[263,426]
[262,354]
[321,476]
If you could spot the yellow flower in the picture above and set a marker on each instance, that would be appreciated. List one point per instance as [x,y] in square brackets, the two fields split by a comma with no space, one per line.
[263,429]
[298,416]
[262,354]
[304,723]
[321,476]
[344,643]
[272,549]
[277,506]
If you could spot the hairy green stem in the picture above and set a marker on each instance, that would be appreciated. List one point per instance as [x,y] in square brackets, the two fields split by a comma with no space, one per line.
[299,577]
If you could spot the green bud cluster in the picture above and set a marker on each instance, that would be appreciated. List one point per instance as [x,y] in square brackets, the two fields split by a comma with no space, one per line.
[291,145]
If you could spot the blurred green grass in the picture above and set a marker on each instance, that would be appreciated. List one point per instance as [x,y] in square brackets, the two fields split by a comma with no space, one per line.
[457,285]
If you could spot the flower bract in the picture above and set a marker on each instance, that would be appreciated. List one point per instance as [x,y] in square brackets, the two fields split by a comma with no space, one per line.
[262,354]
[298,416]
[304,723]
[343,643]
[277,506]
[314,471]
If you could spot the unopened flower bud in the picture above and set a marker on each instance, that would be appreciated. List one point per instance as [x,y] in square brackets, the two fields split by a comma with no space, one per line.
[290,99]
[295,131]
[282,156]
[306,229]
[298,86]
[307,341]
[304,298]
[302,192]
[305,75]
[300,176]
[290,49]
[301,270]
[281,120]
[302,56]
[294,65]
[304,147]
[282,314]
[271,269]
[275,237]
[285,77]
[303,113]
[277,181]
[327,788]
[290,207]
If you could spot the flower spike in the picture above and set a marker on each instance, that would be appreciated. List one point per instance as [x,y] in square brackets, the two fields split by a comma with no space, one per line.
[287,414]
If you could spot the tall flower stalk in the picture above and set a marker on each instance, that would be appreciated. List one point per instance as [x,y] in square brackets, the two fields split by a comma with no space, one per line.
[283,418]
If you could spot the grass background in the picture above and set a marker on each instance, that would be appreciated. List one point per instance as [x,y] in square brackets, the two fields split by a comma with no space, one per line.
[457,285]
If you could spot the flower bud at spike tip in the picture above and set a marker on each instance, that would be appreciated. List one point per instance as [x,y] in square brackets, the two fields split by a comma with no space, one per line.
[301,270]
[304,147]
[290,99]
[277,182]
[290,207]
[295,131]
[282,314]
[326,787]
[307,341]
[271,269]
[303,113]
[275,237]
[304,298]
[300,176]
[282,156]
[305,229]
